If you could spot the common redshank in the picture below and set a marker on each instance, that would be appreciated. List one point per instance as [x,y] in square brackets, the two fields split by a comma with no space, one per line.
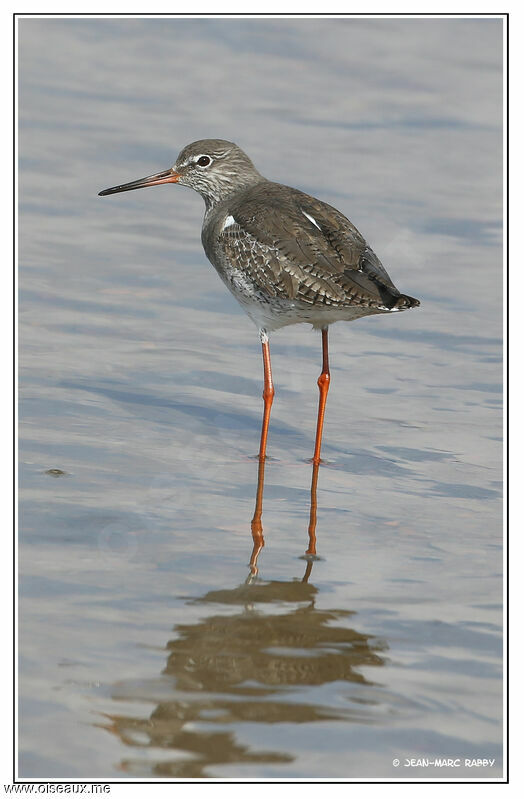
[286,256]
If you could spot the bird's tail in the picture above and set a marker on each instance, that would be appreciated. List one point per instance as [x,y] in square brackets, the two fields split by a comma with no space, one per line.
[404,301]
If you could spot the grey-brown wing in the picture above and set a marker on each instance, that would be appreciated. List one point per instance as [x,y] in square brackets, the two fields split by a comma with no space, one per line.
[269,269]
[304,249]
[345,239]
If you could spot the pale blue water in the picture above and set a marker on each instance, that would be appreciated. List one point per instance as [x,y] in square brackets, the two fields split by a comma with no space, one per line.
[142,650]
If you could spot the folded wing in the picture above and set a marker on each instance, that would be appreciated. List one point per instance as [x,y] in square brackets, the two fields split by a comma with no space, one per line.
[300,248]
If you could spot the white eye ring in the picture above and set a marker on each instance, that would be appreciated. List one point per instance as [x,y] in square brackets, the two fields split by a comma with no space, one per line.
[203,157]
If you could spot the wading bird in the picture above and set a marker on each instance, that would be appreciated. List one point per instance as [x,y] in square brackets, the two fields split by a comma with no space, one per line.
[286,256]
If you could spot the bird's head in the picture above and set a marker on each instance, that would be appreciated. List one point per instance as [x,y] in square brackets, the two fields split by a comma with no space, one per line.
[214,167]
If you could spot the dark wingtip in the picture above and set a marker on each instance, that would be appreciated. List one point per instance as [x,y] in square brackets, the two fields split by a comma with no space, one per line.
[408,302]
[403,302]
[395,301]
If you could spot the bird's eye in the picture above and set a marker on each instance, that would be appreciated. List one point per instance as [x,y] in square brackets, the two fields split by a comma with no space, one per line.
[204,160]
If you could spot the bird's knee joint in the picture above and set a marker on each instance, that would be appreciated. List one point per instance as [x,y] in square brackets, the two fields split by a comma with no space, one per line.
[323,380]
[268,394]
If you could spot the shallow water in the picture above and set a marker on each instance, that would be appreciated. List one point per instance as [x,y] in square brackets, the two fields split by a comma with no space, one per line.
[151,642]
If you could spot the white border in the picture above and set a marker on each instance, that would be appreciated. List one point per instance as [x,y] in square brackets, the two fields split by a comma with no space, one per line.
[215,10]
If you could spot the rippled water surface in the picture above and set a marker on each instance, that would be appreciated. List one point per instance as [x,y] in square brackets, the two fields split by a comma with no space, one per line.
[149,646]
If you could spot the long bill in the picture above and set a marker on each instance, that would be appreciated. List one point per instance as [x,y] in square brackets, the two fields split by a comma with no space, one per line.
[167,176]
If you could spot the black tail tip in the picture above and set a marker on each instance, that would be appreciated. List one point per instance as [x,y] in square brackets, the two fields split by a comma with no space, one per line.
[404,302]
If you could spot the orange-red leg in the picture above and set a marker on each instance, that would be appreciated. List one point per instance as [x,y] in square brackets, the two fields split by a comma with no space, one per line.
[312,548]
[312,530]
[268,393]
[323,385]
[256,521]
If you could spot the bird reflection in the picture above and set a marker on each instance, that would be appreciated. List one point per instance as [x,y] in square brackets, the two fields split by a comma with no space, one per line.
[252,659]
